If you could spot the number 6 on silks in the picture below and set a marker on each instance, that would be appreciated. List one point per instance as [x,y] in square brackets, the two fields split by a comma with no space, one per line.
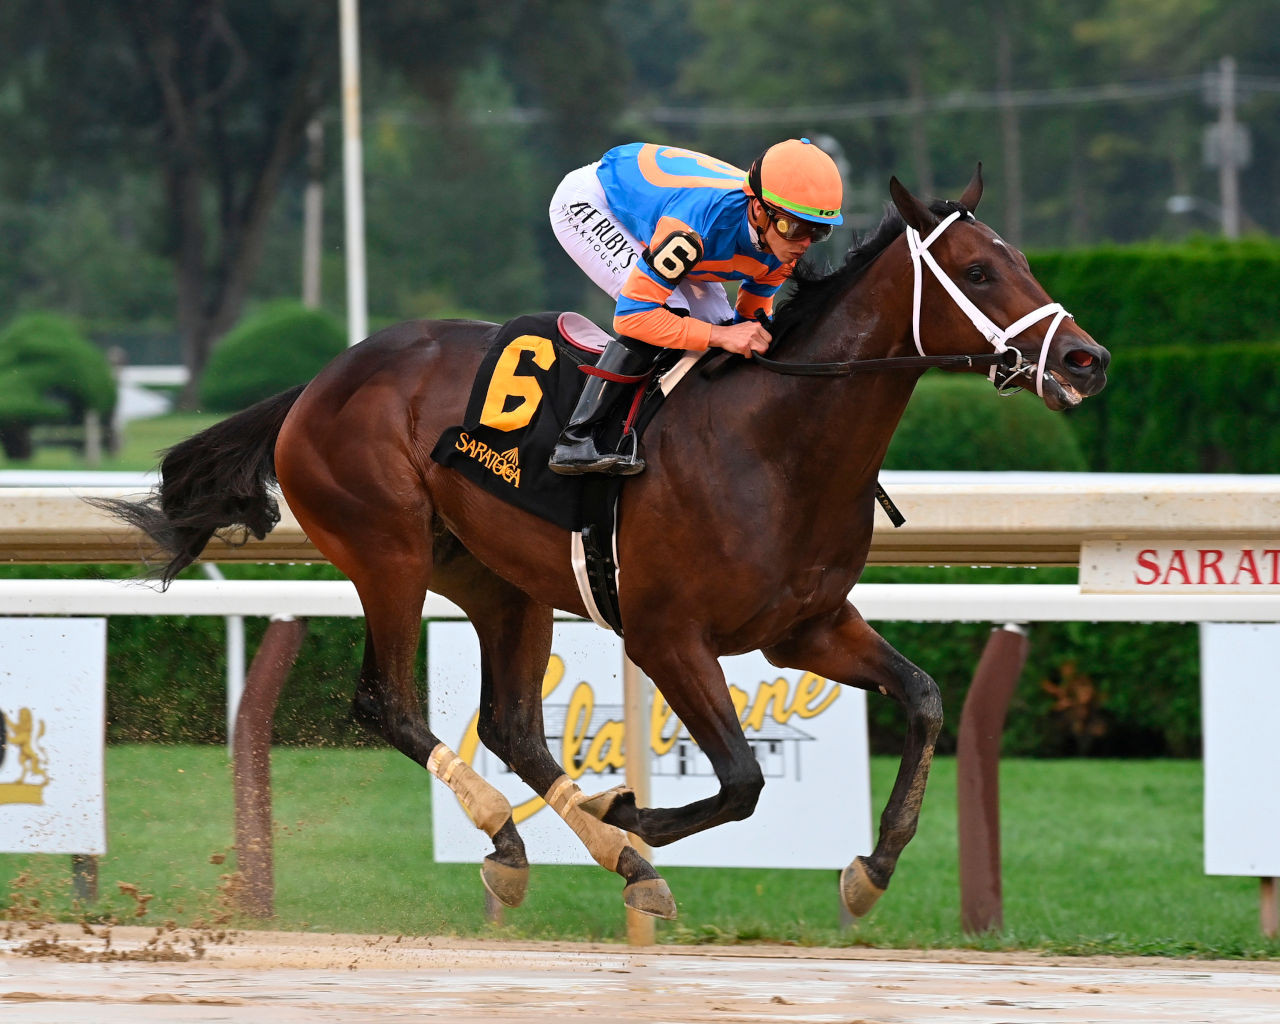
[675,256]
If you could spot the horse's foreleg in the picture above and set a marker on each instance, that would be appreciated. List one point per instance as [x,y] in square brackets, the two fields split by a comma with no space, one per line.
[515,643]
[845,649]
[690,679]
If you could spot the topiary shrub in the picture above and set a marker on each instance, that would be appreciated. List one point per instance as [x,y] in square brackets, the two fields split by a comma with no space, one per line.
[282,345]
[1186,409]
[49,373]
[1110,689]
[955,421]
[1198,292]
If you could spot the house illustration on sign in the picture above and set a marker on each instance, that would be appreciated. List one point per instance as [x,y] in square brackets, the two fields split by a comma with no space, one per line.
[776,746]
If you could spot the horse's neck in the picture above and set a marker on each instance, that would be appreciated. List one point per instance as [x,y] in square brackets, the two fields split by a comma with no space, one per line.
[847,423]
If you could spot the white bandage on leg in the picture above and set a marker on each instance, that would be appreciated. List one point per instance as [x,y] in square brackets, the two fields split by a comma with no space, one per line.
[604,842]
[485,806]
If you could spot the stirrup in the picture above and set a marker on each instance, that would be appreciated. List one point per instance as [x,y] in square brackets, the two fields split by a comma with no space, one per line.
[573,457]
[629,463]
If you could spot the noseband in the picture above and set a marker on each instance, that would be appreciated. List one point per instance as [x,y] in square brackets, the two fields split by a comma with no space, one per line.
[1004,376]
[1006,363]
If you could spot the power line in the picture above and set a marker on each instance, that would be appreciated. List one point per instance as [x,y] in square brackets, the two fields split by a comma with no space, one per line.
[1118,92]
[1067,96]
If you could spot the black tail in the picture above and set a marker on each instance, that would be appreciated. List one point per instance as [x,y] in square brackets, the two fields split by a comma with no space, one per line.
[214,480]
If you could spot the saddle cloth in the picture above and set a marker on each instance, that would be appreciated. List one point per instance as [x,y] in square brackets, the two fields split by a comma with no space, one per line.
[524,393]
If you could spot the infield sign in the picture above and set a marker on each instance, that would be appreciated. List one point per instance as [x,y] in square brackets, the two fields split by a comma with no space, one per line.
[809,735]
[1236,566]
[1240,683]
[52,697]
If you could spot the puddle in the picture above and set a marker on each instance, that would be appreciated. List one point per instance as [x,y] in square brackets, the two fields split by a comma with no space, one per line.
[267,978]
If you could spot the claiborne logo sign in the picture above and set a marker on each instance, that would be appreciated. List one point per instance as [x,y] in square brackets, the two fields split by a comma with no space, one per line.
[1247,566]
[807,733]
[52,708]
[585,734]
[23,771]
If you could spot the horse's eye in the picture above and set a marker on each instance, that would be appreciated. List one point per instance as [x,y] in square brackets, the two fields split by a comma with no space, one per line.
[976,274]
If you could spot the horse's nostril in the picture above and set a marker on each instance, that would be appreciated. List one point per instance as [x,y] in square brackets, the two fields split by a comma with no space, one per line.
[1080,359]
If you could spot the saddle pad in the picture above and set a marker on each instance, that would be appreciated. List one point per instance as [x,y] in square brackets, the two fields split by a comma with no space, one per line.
[524,392]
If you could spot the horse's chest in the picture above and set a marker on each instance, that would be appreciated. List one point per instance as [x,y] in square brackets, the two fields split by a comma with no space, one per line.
[808,591]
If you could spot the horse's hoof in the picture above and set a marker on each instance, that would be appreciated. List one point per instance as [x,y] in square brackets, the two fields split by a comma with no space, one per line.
[857,890]
[651,896]
[598,806]
[507,884]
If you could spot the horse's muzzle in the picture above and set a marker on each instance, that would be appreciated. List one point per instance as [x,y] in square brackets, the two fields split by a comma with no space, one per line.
[1074,371]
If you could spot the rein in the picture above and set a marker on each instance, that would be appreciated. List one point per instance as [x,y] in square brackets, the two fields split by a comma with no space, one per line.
[1006,362]
[1007,358]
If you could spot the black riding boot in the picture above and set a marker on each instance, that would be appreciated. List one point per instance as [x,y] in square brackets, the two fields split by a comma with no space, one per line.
[576,450]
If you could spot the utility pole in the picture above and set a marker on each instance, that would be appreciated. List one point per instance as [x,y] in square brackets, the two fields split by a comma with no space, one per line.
[1228,149]
[353,172]
[313,215]
[1010,135]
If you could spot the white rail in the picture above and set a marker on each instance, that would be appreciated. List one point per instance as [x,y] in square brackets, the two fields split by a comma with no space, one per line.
[887,602]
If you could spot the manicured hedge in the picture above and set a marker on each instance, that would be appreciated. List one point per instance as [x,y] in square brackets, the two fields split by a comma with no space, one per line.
[281,345]
[1100,689]
[957,421]
[1186,409]
[1115,689]
[49,373]
[1205,291]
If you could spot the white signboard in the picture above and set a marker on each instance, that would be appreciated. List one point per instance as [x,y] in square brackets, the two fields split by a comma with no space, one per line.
[1240,682]
[809,734]
[52,697]
[1250,566]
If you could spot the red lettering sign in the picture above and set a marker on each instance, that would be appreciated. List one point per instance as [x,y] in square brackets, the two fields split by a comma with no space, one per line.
[1210,567]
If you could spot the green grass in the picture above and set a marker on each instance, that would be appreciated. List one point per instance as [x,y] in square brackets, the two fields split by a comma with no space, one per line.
[1099,857]
[144,440]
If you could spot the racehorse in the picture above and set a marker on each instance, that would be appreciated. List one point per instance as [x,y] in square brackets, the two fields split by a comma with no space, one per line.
[747,532]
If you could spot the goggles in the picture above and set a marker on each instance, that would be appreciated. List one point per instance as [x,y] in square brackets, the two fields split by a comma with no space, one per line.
[792,228]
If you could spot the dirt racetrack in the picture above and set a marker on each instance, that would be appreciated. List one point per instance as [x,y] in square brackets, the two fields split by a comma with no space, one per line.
[137,975]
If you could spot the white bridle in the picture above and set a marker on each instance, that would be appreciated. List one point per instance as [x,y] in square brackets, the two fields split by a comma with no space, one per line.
[998,337]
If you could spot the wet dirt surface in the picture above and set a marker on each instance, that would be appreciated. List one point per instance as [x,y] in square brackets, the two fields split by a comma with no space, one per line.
[290,978]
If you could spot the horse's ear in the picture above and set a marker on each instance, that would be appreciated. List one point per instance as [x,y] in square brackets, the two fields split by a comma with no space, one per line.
[913,211]
[973,191]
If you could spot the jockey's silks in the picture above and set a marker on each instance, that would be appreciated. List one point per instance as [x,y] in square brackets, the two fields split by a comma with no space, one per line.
[656,190]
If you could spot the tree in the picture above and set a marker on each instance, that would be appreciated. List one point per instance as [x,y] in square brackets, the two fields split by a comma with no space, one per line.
[213,97]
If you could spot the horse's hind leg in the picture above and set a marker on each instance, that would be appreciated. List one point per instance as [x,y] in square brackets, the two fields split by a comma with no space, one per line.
[391,568]
[505,872]
[515,644]
[845,649]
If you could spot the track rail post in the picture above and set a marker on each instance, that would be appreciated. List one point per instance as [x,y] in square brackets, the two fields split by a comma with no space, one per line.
[978,777]
[251,766]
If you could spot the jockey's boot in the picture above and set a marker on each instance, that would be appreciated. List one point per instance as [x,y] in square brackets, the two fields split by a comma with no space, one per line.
[576,450]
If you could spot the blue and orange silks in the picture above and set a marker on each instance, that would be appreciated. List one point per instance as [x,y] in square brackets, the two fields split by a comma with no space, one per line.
[655,190]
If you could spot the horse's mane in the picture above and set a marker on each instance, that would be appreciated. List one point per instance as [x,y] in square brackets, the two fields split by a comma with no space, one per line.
[811,289]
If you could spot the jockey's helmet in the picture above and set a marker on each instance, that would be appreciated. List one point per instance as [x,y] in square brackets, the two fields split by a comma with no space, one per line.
[797,177]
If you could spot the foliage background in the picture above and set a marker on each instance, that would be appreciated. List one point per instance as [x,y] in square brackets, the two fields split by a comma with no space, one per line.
[161,219]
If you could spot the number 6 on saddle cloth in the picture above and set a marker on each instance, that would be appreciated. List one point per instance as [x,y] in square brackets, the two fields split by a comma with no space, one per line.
[524,393]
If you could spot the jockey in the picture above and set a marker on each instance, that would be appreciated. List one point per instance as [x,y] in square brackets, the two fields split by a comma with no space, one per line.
[660,229]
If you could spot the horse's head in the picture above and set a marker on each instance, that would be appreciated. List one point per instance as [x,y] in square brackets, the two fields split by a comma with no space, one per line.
[971,285]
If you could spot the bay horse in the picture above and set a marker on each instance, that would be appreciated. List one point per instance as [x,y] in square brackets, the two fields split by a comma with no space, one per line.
[747,532]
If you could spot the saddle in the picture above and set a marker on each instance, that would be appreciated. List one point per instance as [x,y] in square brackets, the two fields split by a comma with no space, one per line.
[524,393]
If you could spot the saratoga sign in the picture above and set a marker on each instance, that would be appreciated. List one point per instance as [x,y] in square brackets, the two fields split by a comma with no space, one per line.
[809,735]
[1247,566]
